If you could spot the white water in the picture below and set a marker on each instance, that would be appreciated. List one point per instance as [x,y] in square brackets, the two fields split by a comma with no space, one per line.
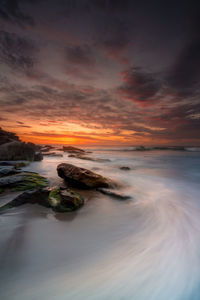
[144,248]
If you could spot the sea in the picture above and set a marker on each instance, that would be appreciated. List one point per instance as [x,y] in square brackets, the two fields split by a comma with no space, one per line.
[143,248]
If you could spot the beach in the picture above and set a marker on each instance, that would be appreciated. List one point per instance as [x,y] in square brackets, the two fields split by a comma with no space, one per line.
[146,247]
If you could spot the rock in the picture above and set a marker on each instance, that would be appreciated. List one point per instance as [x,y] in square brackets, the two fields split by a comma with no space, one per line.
[38,156]
[18,151]
[6,137]
[23,181]
[81,177]
[52,154]
[71,149]
[7,170]
[125,168]
[46,148]
[59,199]
[16,164]
[64,200]
[113,194]
[82,156]
[39,196]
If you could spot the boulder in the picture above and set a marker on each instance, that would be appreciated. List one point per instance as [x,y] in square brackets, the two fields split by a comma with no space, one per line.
[17,150]
[71,149]
[81,177]
[64,200]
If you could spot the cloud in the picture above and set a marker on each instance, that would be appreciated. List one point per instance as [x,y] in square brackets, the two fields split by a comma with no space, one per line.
[10,12]
[139,86]
[17,52]
[184,76]
[80,56]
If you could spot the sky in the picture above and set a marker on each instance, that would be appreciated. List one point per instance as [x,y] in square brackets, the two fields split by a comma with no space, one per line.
[101,72]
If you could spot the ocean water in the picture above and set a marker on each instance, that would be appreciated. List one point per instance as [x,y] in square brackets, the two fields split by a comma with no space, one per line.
[145,248]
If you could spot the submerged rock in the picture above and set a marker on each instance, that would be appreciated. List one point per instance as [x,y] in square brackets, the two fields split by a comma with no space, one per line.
[71,149]
[52,154]
[82,156]
[125,168]
[113,194]
[81,177]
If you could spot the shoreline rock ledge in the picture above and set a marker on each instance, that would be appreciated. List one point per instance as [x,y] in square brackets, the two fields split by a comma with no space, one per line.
[82,178]
[11,148]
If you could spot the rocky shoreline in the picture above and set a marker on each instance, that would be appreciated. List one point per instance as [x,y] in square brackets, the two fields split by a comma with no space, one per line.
[15,154]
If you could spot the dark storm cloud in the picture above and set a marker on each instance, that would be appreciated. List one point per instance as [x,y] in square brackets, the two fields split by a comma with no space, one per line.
[17,52]
[184,76]
[10,11]
[80,56]
[139,86]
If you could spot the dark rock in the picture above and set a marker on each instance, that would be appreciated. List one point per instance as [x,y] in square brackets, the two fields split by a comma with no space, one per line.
[71,149]
[18,151]
[23,181]
[59,199]
[125,168]
[38,156]
[82,156]
[7,170]
[6,137]
[113,194]
[46,148]
[39,196]
[16,164]
[52,154]
[65,200]
[81,177]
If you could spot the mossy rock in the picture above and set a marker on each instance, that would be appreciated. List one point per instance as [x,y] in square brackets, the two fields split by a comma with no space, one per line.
[23,181]
[65,200]
[31,181]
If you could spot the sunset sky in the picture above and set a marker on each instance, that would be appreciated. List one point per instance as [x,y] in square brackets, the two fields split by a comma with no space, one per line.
[100,72]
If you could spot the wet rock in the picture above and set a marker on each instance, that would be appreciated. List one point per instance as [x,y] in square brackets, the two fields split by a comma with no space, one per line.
[46,148]
[16,164]
[17,150]
[7,170]
[81,177]
[65,200]
[52,154]
[71,149]
[59,199]
[23,181]
[38,156]
[113,194]
[81,156]
[125,168]
[39,196]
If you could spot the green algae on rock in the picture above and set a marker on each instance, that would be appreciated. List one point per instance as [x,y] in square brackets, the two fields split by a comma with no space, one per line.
[58,199]
[64,200]
[23,181]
